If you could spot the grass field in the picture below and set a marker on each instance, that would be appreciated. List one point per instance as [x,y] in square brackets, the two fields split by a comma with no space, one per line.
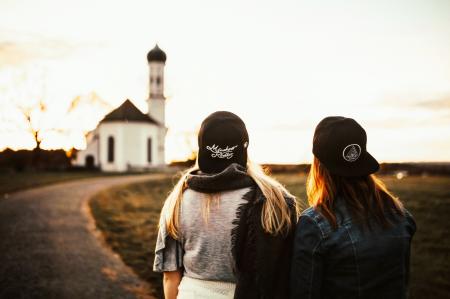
[128,217]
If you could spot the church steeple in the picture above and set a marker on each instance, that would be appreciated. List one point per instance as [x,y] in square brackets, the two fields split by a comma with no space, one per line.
[156,59]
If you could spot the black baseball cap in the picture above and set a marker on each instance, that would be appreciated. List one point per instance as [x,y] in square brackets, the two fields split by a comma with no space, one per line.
[222,140]
[340,145]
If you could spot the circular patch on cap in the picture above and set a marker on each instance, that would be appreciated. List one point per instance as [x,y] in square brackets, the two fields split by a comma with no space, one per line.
[351,152]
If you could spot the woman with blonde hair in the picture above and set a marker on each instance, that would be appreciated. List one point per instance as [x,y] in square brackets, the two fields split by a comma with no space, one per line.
[354,242]
[226,229]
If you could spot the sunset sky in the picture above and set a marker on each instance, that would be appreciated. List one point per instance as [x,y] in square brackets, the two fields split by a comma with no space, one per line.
[280,65]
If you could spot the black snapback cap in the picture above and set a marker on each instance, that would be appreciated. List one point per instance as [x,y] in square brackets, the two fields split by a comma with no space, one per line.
[222,140]
[340,145]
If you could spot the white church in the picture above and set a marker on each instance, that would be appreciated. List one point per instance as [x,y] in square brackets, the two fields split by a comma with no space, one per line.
[127,139]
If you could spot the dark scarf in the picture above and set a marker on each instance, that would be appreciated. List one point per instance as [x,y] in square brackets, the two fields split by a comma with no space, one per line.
[262,260]
[231,178]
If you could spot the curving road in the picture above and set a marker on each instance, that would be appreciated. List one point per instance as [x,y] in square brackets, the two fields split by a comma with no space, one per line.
[49,247]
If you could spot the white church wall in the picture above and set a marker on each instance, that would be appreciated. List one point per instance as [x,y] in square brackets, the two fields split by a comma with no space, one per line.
[135,145]
[130,146]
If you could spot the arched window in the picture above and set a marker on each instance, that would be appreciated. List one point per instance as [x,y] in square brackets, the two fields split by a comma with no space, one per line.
[110,149]
[158,80]
[149,150]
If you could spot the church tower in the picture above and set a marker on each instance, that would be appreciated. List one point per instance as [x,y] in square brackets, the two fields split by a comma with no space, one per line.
[156,59]
[156,101]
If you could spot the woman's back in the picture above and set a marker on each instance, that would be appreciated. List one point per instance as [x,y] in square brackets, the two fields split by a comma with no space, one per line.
[359,261]
[206,240]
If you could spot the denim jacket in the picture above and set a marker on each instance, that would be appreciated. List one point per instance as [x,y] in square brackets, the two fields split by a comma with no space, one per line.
[350,261]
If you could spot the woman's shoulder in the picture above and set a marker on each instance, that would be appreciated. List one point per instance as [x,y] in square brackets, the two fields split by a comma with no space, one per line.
[313,219]
[410,221]
[312,213]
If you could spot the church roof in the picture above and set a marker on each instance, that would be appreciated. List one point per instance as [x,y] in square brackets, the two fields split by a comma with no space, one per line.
[156,54]
[127,112]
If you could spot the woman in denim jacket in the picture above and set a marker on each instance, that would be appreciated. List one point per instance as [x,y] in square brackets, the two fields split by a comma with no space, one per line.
[354,242]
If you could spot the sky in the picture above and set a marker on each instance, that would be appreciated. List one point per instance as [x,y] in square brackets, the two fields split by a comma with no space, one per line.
[281,66]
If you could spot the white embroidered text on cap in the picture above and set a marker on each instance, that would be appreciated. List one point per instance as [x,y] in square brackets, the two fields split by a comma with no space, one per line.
[221,153]
[351,152]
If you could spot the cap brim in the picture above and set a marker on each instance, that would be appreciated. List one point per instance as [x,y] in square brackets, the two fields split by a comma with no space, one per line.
[365,165]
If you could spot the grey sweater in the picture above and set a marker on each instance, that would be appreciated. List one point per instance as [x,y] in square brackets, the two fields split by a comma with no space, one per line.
[204,247]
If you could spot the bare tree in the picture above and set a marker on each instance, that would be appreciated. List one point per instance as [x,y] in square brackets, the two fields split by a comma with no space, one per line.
[33,116]
[79,107]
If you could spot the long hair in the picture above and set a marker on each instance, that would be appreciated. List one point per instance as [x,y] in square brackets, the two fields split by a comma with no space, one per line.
[276,216]
[365,196]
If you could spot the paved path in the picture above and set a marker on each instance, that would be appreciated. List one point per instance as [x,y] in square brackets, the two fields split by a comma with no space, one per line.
[48,248]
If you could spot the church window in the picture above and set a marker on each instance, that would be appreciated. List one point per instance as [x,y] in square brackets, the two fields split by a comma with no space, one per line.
[158,80]
[149,150]
[110,149]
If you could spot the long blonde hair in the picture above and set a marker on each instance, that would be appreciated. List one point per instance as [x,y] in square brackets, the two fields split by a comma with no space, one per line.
[276,216]
[365,196]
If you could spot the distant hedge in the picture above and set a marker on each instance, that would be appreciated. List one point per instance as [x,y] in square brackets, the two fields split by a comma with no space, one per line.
[37,159]
[412,168]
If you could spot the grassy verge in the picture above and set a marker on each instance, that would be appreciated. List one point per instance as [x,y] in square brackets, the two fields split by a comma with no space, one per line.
[128,216]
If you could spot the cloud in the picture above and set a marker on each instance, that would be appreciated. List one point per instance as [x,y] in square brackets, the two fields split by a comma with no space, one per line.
[18,48]
[12,54]
[437,104]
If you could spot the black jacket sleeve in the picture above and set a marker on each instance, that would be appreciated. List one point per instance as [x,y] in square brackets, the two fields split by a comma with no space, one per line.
[266,259]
